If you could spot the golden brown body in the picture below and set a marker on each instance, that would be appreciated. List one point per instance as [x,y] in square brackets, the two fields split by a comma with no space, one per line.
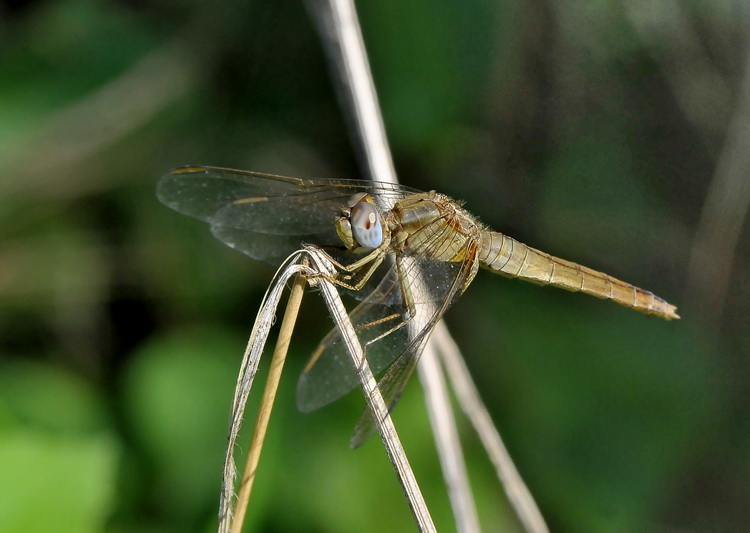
[437,248]
[433,225]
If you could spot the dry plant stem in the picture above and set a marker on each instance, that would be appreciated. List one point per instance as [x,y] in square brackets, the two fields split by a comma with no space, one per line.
[724,213]
[728,199]
[442,420]
[374,399]
[245,378]
[342,36]
[340,29]
[266,405]
[468,396]
[444,429]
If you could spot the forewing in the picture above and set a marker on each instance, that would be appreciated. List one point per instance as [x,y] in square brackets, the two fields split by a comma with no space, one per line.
[243,206]
[267,217]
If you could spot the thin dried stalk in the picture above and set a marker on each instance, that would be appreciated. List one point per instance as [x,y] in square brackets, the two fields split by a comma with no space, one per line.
[342,36]
[470,401]
[724,213]
[447,441]
[342,39]
[344,44]
[248,368]
[266,404]
[375,401]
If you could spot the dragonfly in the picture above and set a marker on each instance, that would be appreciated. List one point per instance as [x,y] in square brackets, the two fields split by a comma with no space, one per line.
[381,237]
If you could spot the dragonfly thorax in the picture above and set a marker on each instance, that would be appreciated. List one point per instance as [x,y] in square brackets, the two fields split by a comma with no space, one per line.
[432,225]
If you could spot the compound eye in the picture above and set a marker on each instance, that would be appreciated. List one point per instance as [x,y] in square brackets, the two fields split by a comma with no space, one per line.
[366,227]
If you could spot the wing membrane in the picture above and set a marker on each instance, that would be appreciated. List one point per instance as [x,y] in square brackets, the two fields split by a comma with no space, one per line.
[267,217]
[393,382]
[398,351]
[244,207]
[330,373]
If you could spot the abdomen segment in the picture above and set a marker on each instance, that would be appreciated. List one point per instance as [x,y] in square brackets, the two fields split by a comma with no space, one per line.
[508,257]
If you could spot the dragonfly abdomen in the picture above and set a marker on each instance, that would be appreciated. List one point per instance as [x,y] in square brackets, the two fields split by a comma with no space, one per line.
[508,257]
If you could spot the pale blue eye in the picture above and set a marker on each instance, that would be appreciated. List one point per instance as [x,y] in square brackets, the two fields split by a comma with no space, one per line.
[366,226]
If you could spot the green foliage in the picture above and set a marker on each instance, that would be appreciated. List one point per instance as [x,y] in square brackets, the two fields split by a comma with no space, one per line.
[57,454]
[588,131]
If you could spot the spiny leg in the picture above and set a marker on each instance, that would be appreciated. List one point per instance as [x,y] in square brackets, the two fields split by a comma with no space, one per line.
[374,259]
[408,301]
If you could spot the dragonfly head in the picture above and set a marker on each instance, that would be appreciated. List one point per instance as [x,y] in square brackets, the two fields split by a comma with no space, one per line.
[359,226]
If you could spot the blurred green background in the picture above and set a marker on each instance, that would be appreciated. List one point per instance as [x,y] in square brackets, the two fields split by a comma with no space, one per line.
[611,133]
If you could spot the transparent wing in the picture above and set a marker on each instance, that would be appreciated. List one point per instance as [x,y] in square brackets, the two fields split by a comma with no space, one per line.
[395,379]
[263,215]
[267,217]
[329,374]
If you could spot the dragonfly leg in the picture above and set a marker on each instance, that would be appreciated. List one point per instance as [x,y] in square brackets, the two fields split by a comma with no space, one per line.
[351,267]
[398,326]
[377,322]
[409,305]
[374,259]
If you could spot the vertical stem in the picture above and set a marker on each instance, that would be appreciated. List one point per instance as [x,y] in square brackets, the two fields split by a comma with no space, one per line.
[340,29]
[447,441]
[468,397]
[375,401]
[266,405]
